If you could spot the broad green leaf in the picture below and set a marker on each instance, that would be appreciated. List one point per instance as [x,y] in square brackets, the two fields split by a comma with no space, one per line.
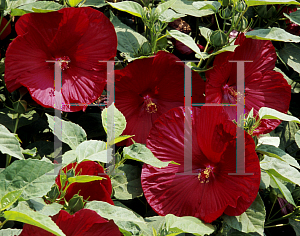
[8,118]
[269,113]
[209,5]
[290,54]
[129,41]
[280,169]
[35,177]
[11,4]
[84,179]
[272,151]
[205,32]
[69,157]
[39,205]
[252,220]
[169,15]
[24,214]
[155,222]
[113,121]
[9,144]
[124,218]
[120,139]
[230,48]
[95,3]
[9,199]
[295,223]
[294,17]
[186,7]
[162,7]
[283,189]
[140,152]
[274,141]
[10,232]
[275,34]
[126,183]
[264,180]
[186,40]
[268,2]
[188,224]
[69,133]
[41,7]
[74,3]
[130,7]
[30,152]
[92,150]
[297,138]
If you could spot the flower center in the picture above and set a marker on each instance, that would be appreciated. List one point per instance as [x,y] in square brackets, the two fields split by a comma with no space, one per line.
[231,94]
[203,175]
[63,62]
[150,105]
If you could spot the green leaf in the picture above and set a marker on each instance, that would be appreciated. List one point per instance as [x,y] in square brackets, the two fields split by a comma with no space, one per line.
[17,12]
[275,34]
[252,220]
[69,157]
[130,7]
[294,17]
[95,3]
[205,32]
[41,7]
[120,139]
[209,5]
[188,224]
[268,2]
[10,232]
[290,55]
[9,199]
[297,138]
[84,179]
[186,7]
[24,214]
[269,113]
[113,121]
[283,189]
[230,48]
[162,7]
[295,223]
[9,144]
[74,3]
[169,15]
[264,180]
[31,175]
[70,133]
[186,40]
[93,150]
[140,152]
[30,152]
[11,4]
[272,151]
[124,218]
[155,222]
[39,205]
[126,182]
[8,118]
[129,41]
[280,169]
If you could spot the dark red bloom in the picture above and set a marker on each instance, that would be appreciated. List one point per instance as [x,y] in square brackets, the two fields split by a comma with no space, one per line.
[83,223]
[99,190]
[7,30]
[82,36]
[147,88]
[263,86]
[209,191]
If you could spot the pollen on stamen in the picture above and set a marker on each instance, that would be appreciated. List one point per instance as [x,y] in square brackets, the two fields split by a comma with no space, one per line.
[63,62]
[204,175]
[150,105]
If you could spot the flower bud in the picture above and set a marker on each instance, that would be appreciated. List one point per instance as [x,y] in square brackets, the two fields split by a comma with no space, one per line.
[241,6]
[242,25]
[225,3]
[20,106]
[53,193]
[70,173]
[218,38]
[75,204]
[225,14]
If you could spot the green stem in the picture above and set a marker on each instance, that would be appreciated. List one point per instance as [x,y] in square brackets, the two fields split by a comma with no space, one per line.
[282,218]
[5,25]
[272,226]
[3,223]
[200,62]
[217,21]
[8,157]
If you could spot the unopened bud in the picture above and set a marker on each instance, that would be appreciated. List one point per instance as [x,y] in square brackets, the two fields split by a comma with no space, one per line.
[241,6]
[225,14]
[218,38]
[75,204]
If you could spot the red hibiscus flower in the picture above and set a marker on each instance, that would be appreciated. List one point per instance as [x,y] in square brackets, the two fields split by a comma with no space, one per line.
[99,190]
[147,88]
[77,37]
[84,222]
[209,191]
[263,86]
[7,30]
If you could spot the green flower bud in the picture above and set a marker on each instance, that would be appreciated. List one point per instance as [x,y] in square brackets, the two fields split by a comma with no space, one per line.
[242,25]
[53,193]
[225,14]
[218,38]
[75,204]
[20,106]
[70,173]
[241,6]
[225,3]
